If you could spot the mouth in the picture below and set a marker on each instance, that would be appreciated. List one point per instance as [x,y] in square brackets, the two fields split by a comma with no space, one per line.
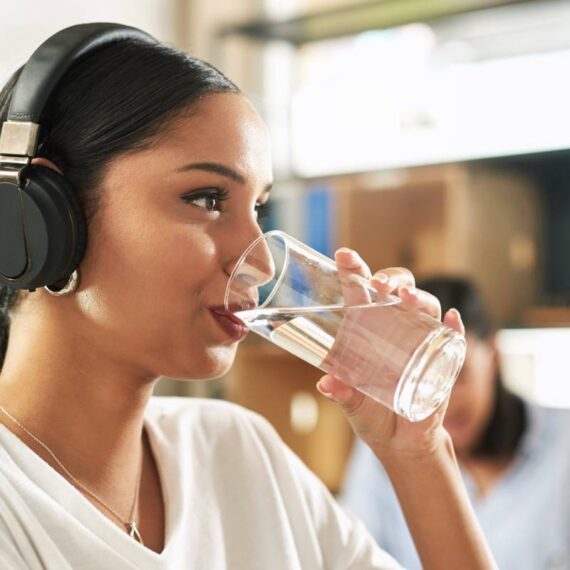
[233,326]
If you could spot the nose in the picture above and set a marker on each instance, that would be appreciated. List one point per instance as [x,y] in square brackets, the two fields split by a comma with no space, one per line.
[239,240]
[252,266]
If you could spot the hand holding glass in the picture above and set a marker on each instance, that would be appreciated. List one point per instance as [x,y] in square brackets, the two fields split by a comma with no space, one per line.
[295,297]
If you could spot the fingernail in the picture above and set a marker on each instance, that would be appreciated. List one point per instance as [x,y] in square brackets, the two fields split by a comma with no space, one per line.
[381,278]
[323,389]
[457,314]
[411,291]
[355,258]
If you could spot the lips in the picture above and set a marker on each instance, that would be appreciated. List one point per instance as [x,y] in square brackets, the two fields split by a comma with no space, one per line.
[233,326]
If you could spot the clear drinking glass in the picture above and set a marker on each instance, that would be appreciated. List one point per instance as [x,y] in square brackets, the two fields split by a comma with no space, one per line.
[295,297]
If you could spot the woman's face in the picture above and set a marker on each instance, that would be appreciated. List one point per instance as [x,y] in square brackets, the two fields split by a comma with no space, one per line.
[173,221]
[472,398]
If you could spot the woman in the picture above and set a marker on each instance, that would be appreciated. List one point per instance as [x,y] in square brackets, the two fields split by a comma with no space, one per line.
[172,167]
[514,458]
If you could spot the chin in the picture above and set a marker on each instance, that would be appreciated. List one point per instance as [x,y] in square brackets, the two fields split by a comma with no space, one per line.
[212,363]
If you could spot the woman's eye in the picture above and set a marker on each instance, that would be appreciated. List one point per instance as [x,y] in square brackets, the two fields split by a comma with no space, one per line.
[210,201]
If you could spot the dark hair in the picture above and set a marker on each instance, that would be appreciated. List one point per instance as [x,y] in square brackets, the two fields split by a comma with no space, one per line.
[508,420]
[115,100]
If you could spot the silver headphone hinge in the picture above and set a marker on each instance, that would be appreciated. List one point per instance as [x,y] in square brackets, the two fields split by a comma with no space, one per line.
[19,138]
[11,168]
[18,143]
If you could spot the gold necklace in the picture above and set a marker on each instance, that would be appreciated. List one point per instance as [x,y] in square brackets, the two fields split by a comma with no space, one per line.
[130,524]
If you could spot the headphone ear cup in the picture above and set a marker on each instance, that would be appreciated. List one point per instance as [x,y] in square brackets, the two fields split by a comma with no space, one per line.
[13,251]
[55,229]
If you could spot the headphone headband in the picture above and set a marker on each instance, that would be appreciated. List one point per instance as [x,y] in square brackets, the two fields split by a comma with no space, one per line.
[42,73]
[54,57]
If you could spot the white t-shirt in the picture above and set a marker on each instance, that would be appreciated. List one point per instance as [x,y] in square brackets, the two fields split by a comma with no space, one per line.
[235,498]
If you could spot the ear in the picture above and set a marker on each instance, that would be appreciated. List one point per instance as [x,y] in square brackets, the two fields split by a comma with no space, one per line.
[47,163]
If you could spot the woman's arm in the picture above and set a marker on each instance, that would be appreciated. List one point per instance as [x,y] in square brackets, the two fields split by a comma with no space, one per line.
[418,457]
[437,509]
[429,488]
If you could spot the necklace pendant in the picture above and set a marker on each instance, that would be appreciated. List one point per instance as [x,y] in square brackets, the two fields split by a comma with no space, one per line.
[134,532]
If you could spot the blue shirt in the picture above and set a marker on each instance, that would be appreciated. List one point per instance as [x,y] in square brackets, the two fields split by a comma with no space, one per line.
[525,517]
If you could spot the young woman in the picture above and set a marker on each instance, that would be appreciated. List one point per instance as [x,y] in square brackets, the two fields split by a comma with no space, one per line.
[172,167]
[514,458]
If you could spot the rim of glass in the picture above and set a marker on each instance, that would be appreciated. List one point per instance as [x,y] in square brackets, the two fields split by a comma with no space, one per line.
[247,251]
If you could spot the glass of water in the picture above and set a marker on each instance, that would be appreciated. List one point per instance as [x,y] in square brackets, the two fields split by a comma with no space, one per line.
[296,298]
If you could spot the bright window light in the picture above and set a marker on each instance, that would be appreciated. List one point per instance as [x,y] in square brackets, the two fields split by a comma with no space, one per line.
[534,364]
[397,97]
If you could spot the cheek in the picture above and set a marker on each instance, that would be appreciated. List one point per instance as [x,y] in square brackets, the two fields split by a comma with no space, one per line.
[485,399]
[139,271]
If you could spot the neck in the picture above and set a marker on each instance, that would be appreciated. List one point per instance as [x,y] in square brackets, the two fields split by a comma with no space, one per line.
[83,405]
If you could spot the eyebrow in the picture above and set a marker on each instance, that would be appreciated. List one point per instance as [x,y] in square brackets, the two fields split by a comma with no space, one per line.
[219,169]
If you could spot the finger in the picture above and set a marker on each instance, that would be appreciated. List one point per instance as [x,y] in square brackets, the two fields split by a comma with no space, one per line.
[349,265]
[453,320]
[348,398]
[420,301]
[391,280]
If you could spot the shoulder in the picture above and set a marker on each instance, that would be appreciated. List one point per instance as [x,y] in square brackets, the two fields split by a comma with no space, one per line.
[216,419]
[220,434]
[219,431]
[547,427]
[246,465]
[544,447]
[178,409]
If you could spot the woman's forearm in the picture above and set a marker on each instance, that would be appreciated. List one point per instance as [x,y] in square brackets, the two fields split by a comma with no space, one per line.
[437,510]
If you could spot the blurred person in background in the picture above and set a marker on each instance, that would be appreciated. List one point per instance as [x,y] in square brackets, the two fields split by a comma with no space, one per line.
[514,458]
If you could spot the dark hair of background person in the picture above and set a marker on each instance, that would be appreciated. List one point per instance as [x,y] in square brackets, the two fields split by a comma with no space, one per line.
[508,420]
[115,100]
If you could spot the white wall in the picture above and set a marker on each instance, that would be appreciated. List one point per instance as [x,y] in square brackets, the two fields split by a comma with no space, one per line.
[27,23]
[192,25]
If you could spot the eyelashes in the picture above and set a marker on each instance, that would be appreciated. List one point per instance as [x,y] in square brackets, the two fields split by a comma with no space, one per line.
[211,199]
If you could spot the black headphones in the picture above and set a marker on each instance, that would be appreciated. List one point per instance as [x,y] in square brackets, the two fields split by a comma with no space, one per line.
[43,233]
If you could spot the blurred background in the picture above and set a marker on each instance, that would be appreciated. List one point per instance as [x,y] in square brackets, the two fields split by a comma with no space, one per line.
[429,134]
